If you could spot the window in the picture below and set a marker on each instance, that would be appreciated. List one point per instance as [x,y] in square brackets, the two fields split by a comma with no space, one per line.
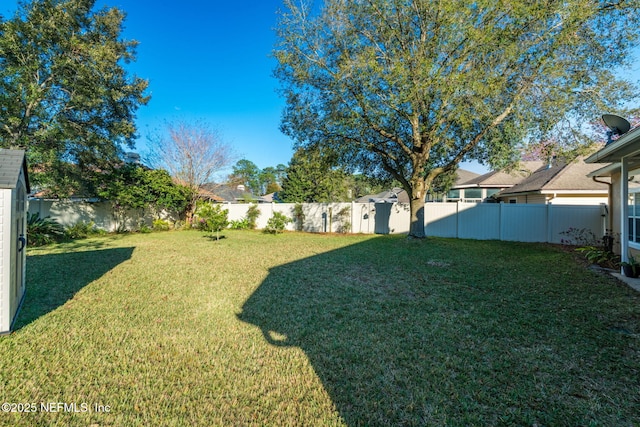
[453,194]
[492,191]
[634,217]
[473,193]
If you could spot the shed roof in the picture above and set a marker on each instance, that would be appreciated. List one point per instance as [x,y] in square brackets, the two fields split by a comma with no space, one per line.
[11,163]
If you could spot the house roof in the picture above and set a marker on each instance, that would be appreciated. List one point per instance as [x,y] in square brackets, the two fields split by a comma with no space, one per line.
[11,163]
[463,175]
[400,196]
[624,146]
[395,195]
[217,193]
[561,177]
[627,146]
[503,178]
[269,198]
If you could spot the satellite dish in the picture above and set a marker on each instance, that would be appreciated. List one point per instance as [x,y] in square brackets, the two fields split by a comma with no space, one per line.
[618,125]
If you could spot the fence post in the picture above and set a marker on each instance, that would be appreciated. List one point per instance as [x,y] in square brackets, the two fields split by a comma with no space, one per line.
[500,221]
[549,222]
[458,219]
[353,217]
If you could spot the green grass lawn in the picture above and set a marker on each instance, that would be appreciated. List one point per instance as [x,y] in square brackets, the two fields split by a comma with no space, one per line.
[174,329]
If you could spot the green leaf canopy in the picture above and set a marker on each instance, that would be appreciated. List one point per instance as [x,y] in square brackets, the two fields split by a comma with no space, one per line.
[410,88]
[64,93]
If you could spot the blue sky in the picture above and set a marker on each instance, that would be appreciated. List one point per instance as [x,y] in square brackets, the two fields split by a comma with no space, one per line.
[206,61]
[209,60]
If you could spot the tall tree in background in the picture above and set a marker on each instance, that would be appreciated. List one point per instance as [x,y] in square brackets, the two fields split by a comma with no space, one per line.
[258,181]
[410,88]
[269,180]
[312,178]
[193,153]
[64,93]
[246,173]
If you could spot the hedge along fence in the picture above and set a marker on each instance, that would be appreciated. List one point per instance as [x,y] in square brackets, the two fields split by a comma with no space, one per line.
[483,221]
[69,212]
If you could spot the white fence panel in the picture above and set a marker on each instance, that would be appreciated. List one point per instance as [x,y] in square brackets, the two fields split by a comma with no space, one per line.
[562,218]
[363,215]
[512,222]
[480,221]
[392,218]
[524,222]
[441,219]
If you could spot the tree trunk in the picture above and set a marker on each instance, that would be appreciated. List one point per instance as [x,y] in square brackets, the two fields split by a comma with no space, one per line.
[417,219]
[416,196]
[189,213]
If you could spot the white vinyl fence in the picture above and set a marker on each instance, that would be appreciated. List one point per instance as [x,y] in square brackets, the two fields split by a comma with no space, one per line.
[514,222]
[482,221]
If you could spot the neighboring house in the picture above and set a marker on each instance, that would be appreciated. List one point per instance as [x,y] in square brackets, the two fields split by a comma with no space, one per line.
[14,187]
[622,159]
[269,198]
[462,176]
[224,194]
[395,195]
[559,183]
[484,187]
[399,195]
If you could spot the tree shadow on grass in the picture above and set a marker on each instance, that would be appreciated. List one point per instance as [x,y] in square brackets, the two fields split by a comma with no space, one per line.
[53,279]
[352,311]
[405,333]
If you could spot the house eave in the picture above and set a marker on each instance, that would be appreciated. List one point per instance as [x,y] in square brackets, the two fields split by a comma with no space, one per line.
[515,194]
[594,192]
[625,146]
[614,168]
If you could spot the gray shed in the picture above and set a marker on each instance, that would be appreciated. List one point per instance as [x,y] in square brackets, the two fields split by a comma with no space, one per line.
[14,187]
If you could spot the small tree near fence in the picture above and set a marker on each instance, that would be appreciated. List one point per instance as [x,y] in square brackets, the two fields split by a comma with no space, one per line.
[277,223]
[211,218]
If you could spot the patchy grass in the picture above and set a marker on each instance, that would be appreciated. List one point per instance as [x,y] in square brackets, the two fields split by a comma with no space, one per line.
[175,329]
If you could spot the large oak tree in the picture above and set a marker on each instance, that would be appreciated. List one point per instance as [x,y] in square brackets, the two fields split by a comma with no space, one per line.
[65,95]
[410,88]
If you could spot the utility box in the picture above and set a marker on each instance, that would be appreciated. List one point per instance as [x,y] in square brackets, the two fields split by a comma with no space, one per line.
[14,188]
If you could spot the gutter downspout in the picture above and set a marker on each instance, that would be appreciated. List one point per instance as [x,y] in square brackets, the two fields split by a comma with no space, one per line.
[609,200]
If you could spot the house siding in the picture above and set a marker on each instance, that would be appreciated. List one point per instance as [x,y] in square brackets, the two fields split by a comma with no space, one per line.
[582,200]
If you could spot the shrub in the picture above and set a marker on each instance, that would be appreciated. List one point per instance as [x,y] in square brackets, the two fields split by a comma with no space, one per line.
[343,217]
[252,216]
[212,218]
[298,214]
[240,224]
[43,231]
[160,225]
[80,230]
[579,237]
[277,223]
[600,256]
